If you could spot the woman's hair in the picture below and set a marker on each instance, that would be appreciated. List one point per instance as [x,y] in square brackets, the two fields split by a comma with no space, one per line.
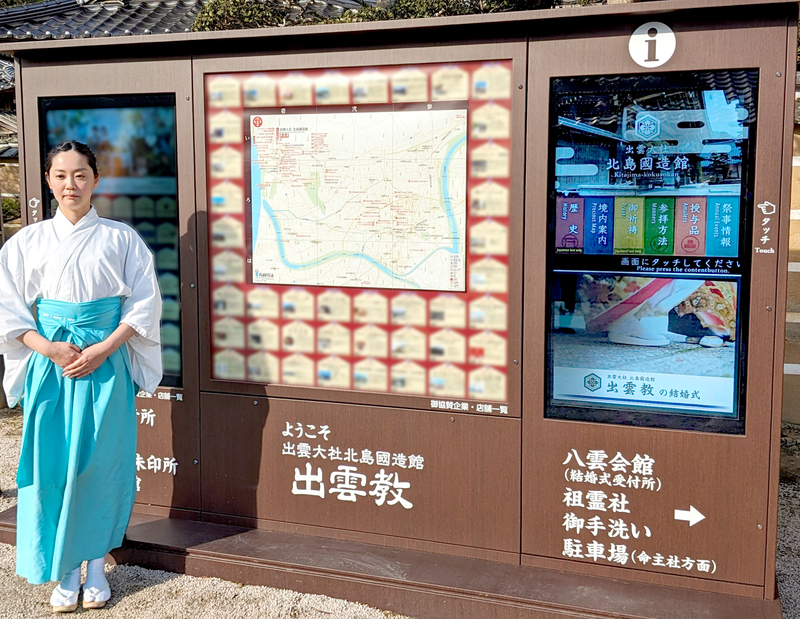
[67,146]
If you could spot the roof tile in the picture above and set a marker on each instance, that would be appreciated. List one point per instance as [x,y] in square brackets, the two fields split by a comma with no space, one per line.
[93,18]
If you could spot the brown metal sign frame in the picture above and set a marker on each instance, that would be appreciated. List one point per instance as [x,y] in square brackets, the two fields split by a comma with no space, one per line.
[733,479]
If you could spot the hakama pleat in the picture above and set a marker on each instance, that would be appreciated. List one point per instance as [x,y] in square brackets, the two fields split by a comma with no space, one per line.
[76,476]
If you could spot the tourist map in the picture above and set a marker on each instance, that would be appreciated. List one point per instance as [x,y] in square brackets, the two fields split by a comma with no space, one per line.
[365,199]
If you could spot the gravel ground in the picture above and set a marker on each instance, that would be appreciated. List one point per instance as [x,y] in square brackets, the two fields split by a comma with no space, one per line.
[153,594]
[789,523]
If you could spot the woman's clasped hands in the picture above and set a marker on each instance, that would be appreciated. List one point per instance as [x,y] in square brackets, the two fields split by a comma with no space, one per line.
[77,363]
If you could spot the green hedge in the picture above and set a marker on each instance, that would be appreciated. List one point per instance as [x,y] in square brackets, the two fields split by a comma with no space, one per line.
[7,3]
[238,14]
[10,209]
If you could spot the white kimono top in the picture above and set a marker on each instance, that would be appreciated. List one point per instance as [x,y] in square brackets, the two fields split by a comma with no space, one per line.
[93,259]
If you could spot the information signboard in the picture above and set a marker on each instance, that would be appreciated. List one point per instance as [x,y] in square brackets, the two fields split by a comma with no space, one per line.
[634,215]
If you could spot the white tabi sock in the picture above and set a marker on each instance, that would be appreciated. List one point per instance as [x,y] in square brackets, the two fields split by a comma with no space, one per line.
[96,591]
[72,581]
[96,574]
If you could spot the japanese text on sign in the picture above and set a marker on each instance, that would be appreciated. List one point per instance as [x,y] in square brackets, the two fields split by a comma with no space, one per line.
[347,482]
[615,520]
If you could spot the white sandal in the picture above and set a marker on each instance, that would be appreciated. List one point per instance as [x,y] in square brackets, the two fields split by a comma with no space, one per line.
[96,598]
[63,600]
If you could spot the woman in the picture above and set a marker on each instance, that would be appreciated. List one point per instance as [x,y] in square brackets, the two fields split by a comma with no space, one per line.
[79,326]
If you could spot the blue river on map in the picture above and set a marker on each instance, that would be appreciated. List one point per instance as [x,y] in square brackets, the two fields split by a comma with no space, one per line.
[259,204]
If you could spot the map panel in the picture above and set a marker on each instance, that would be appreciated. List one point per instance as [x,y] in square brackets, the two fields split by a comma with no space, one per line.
[341,253]
[367,199]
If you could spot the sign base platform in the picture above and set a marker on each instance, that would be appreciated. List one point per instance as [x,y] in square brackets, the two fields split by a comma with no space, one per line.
[418,584]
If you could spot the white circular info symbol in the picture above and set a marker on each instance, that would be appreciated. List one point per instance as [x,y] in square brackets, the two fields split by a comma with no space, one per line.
[652,44]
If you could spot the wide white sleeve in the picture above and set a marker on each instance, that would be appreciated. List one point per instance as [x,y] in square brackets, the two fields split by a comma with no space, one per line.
[142,312]
[15,319]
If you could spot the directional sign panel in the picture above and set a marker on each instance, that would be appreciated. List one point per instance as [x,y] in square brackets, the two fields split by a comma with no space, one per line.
[640,503]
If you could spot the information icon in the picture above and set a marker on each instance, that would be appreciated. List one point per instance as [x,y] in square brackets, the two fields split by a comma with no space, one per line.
[652,44]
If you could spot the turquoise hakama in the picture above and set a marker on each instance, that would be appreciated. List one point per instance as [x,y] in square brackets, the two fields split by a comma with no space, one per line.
[77,472]
[76,476]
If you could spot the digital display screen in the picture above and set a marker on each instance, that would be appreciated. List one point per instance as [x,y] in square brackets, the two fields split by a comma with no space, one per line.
[651,180]
[133,138]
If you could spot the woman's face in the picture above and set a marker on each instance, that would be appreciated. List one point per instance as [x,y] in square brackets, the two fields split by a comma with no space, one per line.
[72,182]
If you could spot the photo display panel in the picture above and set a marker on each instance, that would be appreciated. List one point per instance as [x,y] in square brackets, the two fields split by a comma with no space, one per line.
[359,229]
[648,264]
[133,139]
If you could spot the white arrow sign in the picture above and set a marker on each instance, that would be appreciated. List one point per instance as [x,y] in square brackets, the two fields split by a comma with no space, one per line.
[692,516]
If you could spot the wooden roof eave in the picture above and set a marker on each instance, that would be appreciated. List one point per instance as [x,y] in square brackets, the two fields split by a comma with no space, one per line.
[189,39]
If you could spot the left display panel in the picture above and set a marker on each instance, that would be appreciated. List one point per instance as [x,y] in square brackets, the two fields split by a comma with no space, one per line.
[134,140]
